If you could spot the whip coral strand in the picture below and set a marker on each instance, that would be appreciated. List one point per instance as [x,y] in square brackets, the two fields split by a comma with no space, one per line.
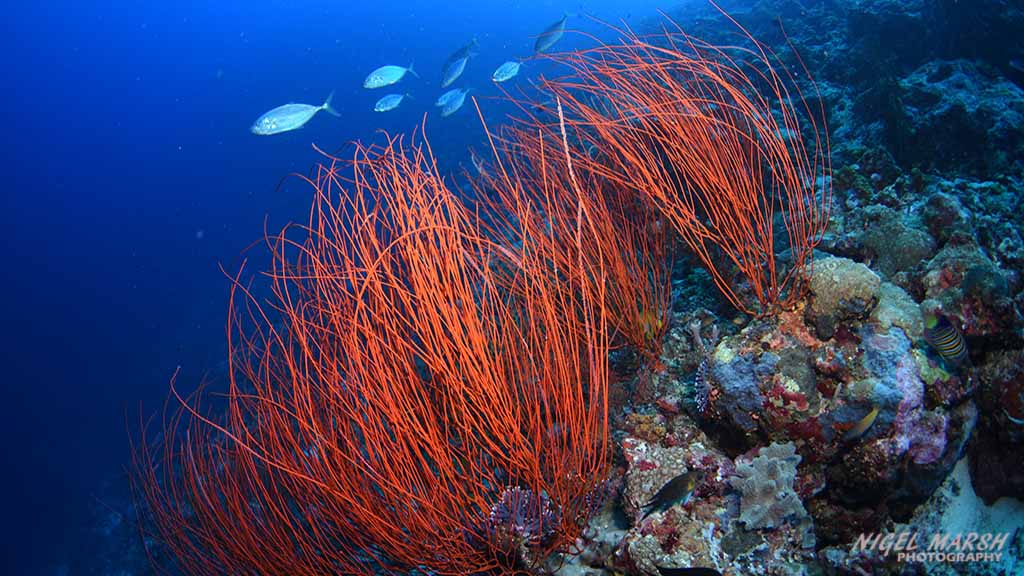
[712,137]
[624,243]
[385,393]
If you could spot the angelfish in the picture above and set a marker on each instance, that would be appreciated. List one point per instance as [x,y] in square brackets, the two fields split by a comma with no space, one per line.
[550,35]
[944,337]
[676,491]
[288,117]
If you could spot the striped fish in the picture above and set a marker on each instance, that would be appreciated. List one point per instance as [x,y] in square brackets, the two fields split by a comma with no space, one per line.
[945,338]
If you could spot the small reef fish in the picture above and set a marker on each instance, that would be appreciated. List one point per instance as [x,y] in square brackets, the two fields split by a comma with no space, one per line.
[862,425]
[389,102]
[455,65]
[453,103]
[478,163]
[506,71]
[550,35]
[387,75]
[945,338]
[695,571]
[289,117]
[676,491]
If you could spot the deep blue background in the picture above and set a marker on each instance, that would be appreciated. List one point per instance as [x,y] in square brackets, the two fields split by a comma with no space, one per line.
[132,176]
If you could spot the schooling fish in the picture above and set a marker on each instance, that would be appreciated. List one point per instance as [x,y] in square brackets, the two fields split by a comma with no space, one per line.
[944,337]
[467,51]
[387,75]
[550,35]
[695,571]
[456,63]
[506,71]
[444,98]
[862,425]
[676,491]
[289,117]
[452,72]
[389,102]
[453,103]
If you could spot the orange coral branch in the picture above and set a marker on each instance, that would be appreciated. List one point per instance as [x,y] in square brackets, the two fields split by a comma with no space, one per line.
[712,136]
[624,243]
[394,394]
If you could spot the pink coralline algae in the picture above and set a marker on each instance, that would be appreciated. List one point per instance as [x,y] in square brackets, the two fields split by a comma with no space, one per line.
[919,433]
[928,440]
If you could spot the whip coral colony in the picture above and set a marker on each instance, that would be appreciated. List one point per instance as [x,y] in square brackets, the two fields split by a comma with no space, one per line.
[377,424]
[423,385]
[712,137]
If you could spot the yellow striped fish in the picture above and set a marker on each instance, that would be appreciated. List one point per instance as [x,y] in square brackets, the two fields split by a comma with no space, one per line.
[944,337]
[862,425]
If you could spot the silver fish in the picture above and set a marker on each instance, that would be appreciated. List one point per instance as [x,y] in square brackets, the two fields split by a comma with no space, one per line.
[453,71]
[444,98]
[550,35]
[387,75]
[455,65]
[389,102]
[452,104]
[289,117]
[464,53]
[506,71]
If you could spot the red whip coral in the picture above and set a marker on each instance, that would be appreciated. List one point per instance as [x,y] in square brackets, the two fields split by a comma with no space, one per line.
[626,246]
[712,137]
[387,394]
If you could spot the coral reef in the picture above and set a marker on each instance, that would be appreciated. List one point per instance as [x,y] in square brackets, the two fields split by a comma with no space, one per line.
[960,101]
[841,291]
[830,415]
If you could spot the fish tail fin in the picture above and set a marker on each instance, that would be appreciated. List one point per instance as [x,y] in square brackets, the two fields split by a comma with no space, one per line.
[648,510]
[327,105]
[410,70]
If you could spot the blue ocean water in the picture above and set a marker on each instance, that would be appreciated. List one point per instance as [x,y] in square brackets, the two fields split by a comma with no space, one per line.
[132,177]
